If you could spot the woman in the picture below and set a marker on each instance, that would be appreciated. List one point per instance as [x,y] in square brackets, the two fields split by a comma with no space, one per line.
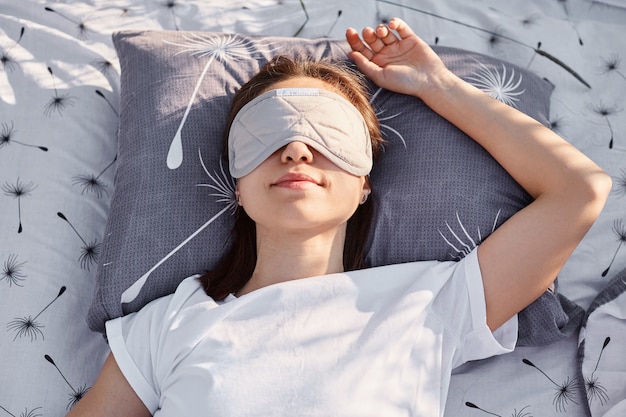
[379,341]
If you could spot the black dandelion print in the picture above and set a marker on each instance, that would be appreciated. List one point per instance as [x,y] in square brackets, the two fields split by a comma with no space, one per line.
[8,63]
[530,20]
[619,184]
[77,393]
[332,26]
[595,390]
[89,251]
[557,123]
[18,190]
[7,137]
[104,66]
[59,101]
[567,16]
[606,111]
[565,392]
[306,19]
[619,229]
[171,5]
[101,94]
[12,271]
[612,65]
[520,413]
[495,38]
[91,183]
[29,326]
[26,413]
[81,27]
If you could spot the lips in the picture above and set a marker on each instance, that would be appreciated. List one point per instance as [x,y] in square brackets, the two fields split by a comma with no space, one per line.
[296,180]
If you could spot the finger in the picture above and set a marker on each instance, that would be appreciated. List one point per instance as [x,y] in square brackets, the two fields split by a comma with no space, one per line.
[386,34]
[357,45]
[374,42]
[365,65]
[401,27]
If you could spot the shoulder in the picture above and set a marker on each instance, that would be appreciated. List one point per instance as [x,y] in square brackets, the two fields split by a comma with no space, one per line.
[421,274]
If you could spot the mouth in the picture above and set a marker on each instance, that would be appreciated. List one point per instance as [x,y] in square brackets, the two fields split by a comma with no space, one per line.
[296,180]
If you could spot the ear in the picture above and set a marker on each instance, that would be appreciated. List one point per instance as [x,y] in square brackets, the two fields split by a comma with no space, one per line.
[367,188]
[237,195]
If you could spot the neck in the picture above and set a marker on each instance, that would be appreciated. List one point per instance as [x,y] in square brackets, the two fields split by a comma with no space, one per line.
[283,258]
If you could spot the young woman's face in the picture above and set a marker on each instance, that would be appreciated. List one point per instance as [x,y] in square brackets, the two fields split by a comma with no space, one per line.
[299,190]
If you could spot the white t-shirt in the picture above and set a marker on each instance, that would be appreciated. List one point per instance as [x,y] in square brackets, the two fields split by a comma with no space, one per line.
[376,342]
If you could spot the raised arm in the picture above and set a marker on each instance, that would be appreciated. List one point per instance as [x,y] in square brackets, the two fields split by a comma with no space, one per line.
[521,258]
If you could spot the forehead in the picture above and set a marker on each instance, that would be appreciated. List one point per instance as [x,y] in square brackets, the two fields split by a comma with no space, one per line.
[304,82]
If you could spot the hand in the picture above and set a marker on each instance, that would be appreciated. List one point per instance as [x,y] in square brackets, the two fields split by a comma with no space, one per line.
[404,64]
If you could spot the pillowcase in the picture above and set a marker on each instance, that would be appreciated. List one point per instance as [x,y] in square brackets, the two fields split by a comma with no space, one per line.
[439,193]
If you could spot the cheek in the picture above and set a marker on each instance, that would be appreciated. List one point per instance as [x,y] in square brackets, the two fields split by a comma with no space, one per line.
[350,192]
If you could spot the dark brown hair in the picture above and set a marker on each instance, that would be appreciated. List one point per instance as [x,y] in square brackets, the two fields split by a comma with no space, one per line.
[236,267]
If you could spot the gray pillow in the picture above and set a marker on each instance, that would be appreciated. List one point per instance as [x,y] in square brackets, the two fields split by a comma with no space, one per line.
[439,193]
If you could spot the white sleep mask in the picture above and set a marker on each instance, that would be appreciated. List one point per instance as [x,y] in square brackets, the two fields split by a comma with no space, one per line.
[319,118]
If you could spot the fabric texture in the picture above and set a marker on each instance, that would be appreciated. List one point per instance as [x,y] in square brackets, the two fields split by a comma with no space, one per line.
[438,193]
[322,119]
[602,343]
[375,342]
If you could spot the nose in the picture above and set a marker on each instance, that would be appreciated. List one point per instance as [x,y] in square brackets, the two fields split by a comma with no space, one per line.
[296,152]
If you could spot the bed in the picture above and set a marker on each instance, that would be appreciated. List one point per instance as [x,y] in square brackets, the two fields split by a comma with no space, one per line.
[111,192]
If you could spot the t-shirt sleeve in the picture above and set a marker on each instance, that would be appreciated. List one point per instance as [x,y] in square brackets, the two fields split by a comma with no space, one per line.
[462,301]
[133,340]
[482,339]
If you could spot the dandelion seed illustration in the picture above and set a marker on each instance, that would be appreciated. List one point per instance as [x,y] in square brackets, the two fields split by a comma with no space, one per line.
[332,26]
[26,413]
[7,137]
[31,413]
[171,5]
[567,17]
[494,34]
[619,184]
[92,183]
[8,63]
[620,231]
[223,185]
[605,111]
[498,85]
[77,393]
[384,127]
[28,326]
[520,413]
[306,19]
[496,38]
[58,102]
[101,94]
[225,191]
[215,47]
[565,392]
[103,65]
[530,20]
[12,271]
[89,251]
[557,123]
[19,190]
[595,390]
[612,65]
[472,405]
[464,246]
[81,27]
